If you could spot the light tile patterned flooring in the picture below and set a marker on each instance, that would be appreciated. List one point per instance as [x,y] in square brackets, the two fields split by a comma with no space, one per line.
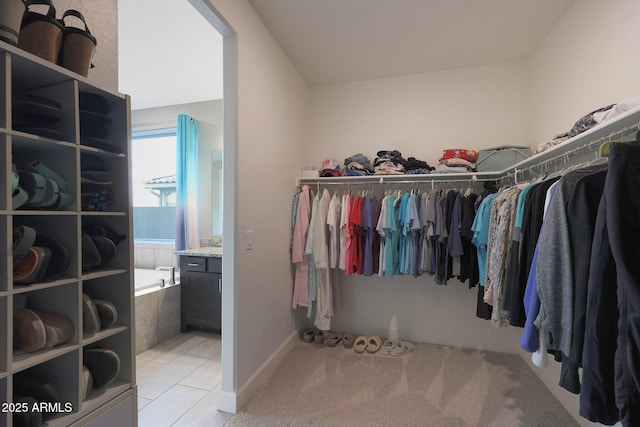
[178,381]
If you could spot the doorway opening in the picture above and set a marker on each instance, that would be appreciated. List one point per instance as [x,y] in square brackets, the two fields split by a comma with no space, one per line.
[217,199]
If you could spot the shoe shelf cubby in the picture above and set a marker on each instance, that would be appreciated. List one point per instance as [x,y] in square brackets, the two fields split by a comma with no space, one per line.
[65,147]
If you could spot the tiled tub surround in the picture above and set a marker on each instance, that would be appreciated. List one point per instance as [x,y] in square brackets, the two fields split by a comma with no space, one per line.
[157,316]
[158,308]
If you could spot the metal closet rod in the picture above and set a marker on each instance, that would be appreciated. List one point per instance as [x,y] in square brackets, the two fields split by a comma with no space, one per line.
[417,182]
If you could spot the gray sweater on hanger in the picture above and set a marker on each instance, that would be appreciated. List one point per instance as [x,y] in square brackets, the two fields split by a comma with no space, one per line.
[554,275]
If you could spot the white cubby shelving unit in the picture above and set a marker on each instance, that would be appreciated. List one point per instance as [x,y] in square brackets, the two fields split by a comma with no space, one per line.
[24,74]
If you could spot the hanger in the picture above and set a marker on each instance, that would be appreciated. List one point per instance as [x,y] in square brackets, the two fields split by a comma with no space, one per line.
[603,150]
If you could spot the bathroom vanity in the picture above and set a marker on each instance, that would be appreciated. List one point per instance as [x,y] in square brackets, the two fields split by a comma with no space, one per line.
[201,289]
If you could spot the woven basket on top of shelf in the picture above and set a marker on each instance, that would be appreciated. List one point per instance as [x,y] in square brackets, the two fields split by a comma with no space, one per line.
[500,158]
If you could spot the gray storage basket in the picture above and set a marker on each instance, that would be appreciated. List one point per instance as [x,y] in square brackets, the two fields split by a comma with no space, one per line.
[500,158]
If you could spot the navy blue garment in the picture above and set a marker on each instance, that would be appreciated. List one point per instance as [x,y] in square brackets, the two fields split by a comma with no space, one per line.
[611,354]
[582,210]
[622,190]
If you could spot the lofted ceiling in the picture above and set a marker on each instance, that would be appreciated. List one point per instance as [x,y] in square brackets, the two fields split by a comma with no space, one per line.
[332,41]
[171,55]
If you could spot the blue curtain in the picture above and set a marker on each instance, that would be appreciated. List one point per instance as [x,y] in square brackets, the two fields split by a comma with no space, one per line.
[187,236]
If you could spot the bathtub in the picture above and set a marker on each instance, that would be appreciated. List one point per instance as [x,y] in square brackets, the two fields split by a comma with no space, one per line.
[157,308]
[146,280]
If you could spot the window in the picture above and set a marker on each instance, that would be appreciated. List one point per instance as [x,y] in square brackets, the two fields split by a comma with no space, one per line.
[154,184]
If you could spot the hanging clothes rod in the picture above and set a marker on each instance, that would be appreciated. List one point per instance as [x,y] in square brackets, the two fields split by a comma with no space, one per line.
[401,182]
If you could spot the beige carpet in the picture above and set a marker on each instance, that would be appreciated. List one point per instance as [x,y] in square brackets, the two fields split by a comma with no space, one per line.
[434,386]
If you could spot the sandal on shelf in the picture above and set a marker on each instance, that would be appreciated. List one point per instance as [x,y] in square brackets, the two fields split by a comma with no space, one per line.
[347,339]
[373,344]
[387,346]
[360,344]
[333,339]
[402,347]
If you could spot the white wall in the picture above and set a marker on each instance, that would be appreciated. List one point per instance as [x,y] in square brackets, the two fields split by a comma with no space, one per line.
[588,61]
[420,115]
[272,111]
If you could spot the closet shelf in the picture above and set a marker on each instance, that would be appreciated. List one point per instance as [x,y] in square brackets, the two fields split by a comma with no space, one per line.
[102,334]
[404,178]
[23,361]
[623,126]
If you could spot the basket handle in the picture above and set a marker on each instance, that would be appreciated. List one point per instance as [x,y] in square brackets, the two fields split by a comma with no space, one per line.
[52,10]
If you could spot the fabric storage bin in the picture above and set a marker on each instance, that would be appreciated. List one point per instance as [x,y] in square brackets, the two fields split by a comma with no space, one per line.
[500,158]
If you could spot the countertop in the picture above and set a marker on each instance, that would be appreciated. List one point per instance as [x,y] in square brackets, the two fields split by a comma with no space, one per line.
[213,252]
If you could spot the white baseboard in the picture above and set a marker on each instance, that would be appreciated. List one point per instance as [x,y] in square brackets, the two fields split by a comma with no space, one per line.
[230,402]
[226,401]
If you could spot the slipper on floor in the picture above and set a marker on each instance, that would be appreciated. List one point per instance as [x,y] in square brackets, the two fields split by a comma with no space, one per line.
[360,344]
[387,346]
[402,347]
[307,335]
[29,331]
[347,339]
[373,344]
[333,339]
[319,337]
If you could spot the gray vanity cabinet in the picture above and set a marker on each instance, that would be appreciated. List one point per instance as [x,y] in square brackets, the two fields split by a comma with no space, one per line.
[201,292]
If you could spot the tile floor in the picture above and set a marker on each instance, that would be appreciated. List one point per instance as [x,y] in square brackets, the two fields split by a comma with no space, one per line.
[178,381]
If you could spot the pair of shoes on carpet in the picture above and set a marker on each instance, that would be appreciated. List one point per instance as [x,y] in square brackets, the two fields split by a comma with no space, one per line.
[369,344]
[314,336]
[396,347]
[331,339]
[334,338]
